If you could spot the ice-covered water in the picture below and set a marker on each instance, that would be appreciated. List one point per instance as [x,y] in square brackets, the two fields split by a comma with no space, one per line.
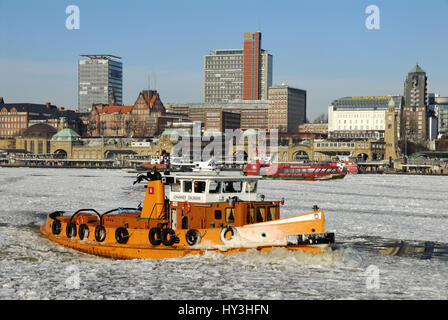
[365,212]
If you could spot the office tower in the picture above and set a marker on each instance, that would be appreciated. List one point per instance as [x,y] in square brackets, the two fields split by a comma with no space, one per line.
[287,108]
[238,74]
[415,105]
[100,80]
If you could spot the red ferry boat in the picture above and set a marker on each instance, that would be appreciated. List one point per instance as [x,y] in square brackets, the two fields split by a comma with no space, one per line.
[350,166]
[295,171]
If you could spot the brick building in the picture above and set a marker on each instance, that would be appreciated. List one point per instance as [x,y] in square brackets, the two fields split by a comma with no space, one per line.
[216,119]
[147,117]
[242,114]
[287,108]
[17,117]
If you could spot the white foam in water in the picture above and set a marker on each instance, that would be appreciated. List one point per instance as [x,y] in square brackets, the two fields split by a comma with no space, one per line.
[357,208]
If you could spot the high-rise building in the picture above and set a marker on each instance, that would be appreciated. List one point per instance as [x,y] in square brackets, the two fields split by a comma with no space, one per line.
[414,115]
[238,74]
[440,106]
[287,108]
[100,80]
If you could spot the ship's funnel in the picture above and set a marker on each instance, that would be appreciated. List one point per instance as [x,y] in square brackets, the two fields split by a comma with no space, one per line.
[154,201]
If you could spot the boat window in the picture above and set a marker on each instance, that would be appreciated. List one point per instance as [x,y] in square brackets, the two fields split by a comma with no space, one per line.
[250,215]
[218,215]
[261,214]
[272,213]
[251,187]
[199,186]
[215,187]
[175,187]
[232,186]
[187,186]
[184,222]
[230,216]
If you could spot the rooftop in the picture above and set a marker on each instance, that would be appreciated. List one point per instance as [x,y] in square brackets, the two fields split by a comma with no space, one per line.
[101,56]
[116,109]
[39,130]
[417,69]
[66,134]
[366,102]
[40,111]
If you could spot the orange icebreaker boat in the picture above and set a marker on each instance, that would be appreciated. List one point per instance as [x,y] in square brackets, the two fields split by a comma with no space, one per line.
[204,212]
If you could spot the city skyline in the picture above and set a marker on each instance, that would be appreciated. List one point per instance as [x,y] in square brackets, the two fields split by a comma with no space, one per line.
[323,47]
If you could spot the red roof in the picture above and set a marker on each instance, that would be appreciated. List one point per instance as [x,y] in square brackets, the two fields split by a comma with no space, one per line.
[114,109]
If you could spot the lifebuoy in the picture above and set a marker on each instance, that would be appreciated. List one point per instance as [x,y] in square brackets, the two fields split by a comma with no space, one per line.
[83,231]
[100,233]
[225,231]
[186,206]
[193,237]
[155,236]
[121,235]
[70,230]
[56,227]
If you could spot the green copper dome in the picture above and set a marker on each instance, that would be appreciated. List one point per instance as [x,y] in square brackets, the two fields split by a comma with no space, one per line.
[66,135]
[391,103]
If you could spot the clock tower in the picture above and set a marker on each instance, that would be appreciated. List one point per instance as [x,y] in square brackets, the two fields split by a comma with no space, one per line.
[390,132]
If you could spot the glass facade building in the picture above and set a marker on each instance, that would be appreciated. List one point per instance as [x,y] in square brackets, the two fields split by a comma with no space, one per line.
[100,78]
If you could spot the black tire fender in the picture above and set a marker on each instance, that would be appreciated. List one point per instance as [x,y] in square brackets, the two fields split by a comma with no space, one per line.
[168,237]
[155,236]
[193,237]
[83,231]
[70,230]
[100,233]
[121,235]
[56,227]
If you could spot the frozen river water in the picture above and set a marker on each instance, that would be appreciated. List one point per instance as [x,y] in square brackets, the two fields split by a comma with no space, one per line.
[369,214]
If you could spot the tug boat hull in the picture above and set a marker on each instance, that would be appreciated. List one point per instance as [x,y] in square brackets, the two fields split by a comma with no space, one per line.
[169,228]
[145,252]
